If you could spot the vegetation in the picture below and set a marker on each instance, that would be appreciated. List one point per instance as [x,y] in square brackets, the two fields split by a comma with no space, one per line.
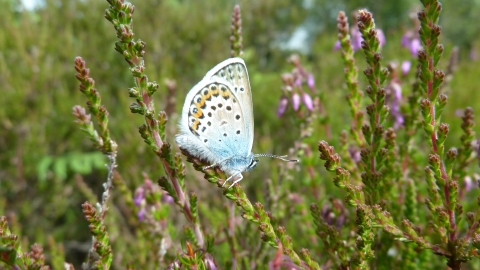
[391,113]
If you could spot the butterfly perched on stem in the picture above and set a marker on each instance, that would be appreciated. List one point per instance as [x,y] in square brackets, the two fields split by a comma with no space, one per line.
[217,120]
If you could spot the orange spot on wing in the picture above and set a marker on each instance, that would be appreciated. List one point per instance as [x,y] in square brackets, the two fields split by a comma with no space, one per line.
[195,125]
[214,92]
[226,94]
[199,112]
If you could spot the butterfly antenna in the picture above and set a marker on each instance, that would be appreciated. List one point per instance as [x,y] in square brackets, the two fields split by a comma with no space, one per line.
[275,156]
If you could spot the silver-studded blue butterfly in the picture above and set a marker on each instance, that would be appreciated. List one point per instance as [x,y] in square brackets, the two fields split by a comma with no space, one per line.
[217,120]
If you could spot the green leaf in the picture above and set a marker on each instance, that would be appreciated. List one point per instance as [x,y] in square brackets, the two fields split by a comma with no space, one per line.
[43,166]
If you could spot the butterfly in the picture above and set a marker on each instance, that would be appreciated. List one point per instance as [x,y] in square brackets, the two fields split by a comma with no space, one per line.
[217,120]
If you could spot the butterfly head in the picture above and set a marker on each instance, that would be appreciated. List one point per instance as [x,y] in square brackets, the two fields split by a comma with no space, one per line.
[253,163]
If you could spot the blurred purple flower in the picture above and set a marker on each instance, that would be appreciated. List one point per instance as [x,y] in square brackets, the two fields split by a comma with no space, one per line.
[411,41]
[330,217]
[415,46]
[468,183]
[394,96]
[210,262]
[310,81]
[337,45]
[354,154]
[406,65]
[356,39]
[381,37]
[296,101]
[282,106]
[141,213]
[307,100]
[167,199]
[139,196]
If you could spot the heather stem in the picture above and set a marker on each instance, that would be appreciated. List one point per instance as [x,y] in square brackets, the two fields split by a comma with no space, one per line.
[120,14]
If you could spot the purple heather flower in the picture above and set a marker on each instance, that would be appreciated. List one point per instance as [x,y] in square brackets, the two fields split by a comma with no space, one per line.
[141,214]
[415,46]
[337,45]
[411,41]
[139,196]
[310,81]
[167,199]
[210,262]
[406,65]
[468,183]
[395,97]
[381,37]
[406,39]
[282,106]
[354,154]
[296,101]
[356,39]
[307,100]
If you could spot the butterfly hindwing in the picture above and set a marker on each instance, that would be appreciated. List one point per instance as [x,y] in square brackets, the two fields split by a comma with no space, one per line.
[216,122]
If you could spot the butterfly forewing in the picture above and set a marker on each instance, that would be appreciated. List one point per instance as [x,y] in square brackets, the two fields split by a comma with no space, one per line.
[235,72]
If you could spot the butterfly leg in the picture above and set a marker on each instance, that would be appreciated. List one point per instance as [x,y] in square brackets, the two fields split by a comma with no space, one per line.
[231,176]
[215,164]
[238,180]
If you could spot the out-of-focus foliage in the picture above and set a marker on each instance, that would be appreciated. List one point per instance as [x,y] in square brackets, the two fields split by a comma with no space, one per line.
[44,157]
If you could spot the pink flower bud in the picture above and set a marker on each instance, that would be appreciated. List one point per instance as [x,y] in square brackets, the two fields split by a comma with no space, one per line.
[282,106]
[296,101]
[307,100]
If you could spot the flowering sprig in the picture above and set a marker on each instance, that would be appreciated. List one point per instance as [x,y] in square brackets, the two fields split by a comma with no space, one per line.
[252,212]
[103,141]
[108,146]
[373,155]
[11,252]
[101,245]
[236,36]
[354,96]
[292,87]
[120,14]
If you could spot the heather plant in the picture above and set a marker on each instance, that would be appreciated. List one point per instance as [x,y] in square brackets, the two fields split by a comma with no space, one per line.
[388,196]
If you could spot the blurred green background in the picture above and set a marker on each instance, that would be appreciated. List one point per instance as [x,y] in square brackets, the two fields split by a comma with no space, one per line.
[42,150]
